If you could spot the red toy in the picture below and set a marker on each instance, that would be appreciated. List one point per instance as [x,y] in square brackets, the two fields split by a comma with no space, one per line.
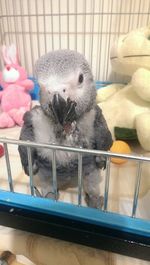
[1,150]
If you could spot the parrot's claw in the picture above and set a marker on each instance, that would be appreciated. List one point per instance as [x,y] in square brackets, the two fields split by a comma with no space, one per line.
[34,169]
[101,162]
[94,201]
[52,195]
[37,192]
[49,194]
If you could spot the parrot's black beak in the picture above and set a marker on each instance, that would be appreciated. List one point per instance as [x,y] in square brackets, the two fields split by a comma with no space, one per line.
[64,111]
[58,107]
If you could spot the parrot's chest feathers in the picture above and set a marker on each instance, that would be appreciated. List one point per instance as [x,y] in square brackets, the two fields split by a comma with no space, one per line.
[45,131]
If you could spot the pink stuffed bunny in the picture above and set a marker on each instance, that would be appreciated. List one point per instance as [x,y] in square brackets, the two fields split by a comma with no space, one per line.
[15,99]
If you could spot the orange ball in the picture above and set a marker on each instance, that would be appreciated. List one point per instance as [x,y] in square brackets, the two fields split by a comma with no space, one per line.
[120,147]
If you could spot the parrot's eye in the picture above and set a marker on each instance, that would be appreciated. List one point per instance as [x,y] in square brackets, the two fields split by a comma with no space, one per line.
[80,79]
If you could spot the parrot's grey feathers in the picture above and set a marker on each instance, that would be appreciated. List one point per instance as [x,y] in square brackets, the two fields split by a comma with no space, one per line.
[59,72]
[46,131]
[27,134]
[51,64]
[103,138]
[67,96]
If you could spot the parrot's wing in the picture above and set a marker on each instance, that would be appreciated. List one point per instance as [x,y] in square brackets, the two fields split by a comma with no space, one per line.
[103,138]
[27,134]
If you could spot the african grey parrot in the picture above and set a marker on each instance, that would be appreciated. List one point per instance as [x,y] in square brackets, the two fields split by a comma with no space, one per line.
[67,116]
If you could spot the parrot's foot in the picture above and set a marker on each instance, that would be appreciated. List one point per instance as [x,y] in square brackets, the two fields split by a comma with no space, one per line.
[34,168]
[52,195]
[46,194]
[37,192]
[94,201]
[101,162]
[6,121]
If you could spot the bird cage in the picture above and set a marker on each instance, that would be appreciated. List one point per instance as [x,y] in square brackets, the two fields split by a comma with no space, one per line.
[90,27]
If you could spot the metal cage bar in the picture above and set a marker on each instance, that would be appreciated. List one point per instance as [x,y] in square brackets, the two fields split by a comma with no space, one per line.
[80,181]
[109,38]
[8,22]
[91,30]
[37,29]
[80,151]
[30,169]
[44,18]
[68,22]
[30,30]
[107,176]
[84,26]
[137,187]
[75,149]
[76,14]
[15,25]
[10,179]
[100,42]
[96,228]
[54,174]
[23,35]
[59,8]
[52,25]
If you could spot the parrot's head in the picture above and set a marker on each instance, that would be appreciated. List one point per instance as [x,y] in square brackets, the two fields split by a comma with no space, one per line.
[65,75]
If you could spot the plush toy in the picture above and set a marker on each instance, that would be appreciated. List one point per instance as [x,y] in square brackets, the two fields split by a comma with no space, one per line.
[128,106]
[15,99]
[120,147]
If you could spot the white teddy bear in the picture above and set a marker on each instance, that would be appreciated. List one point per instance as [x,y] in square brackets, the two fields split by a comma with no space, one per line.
[128,106]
